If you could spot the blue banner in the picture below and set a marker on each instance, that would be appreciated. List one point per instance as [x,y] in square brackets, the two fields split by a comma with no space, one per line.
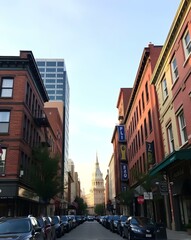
[121,133]
[124,172]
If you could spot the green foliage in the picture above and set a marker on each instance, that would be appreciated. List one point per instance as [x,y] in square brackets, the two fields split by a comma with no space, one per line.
[127,196]
[99,209]
[188,225]
[81,206]
[44,174]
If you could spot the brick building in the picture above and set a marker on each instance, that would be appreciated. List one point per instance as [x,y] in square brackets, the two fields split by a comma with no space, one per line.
[23,125]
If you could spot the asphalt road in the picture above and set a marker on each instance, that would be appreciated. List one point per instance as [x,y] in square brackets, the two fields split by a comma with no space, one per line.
[90,231]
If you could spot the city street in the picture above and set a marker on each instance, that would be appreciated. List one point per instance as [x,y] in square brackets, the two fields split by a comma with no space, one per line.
[95,231]
[91,231]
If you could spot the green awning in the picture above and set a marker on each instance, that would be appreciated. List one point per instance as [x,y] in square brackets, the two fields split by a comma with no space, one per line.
[183,154]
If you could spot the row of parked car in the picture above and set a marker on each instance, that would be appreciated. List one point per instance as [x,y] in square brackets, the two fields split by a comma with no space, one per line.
[38,228]
[134,227]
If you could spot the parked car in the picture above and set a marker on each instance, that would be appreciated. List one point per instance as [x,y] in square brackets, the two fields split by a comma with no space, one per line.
[46,228]
[139,228]
[66,222]
[59,226]
[53,230]
[120,224]
[79,219]
[90,218]
[21,228]
[73,220]
[113,223]
[107,221]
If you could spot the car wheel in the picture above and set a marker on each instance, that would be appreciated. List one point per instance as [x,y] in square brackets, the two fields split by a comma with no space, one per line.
[122,233]
[129,236]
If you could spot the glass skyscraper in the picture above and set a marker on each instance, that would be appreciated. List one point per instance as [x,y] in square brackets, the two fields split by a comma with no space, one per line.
[54,75]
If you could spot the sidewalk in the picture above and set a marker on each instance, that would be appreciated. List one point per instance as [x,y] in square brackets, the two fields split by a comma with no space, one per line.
[177,235]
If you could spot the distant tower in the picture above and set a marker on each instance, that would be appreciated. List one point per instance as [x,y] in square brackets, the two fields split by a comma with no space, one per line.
[97,185]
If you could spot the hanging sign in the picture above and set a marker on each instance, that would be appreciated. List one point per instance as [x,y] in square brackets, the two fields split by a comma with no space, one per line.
[121,133]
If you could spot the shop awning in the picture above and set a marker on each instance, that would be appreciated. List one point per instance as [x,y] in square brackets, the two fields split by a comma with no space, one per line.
[183,154]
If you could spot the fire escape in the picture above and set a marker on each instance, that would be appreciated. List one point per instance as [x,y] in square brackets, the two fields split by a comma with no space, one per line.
[42,122]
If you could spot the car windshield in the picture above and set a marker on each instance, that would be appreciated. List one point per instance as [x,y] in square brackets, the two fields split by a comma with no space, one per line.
[14,226]
[40,221]
[55,220]
[116,217]
[64,218]
[142,221]
[123,218]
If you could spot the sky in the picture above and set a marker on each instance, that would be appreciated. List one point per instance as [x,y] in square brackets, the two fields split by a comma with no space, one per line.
[101,42]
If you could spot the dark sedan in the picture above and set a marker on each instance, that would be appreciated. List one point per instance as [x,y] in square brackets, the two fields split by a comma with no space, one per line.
[66,222]
[59,226]
[21,228]
[139,228]
[113,223]
[46,228]
[120,224]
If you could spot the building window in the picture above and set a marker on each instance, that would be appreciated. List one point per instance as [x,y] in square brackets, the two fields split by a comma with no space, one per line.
[50,81]
[40,64]
[60,64]
[7,87]
[150,121]
[170,138]
[164,89]
[60,70]
[140,108]
[50,75]
[174,69]
[143,101]
[2,160]
[147,91]
[182,127]
[142,138]
[50,64]
[145,127]
[4,121]
[50,69]
[186,44]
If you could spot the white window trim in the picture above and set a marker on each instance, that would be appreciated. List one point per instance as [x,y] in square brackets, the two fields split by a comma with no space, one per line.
[186,46]
[182,128]
[174,77]
[164,89]
[170,138]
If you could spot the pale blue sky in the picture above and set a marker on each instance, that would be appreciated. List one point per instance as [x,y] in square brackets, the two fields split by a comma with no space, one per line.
[102,42]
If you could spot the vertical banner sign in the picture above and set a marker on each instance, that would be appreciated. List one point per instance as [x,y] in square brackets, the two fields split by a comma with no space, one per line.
[121,133]
[124,172]
[123,152]
[150,152]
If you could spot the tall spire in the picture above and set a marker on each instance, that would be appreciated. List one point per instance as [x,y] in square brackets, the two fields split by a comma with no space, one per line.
[97,163]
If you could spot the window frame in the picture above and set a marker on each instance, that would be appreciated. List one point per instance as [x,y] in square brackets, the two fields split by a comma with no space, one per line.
[3,160]
[5,122]
[182,127]
[6,88]
[174,70]
[164,88]
[170,138]
[186,45]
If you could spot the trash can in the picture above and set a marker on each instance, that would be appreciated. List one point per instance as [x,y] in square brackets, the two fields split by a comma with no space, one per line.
[161,232]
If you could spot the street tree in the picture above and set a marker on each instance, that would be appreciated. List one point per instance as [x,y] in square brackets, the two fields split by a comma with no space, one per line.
[81,206]
[99,209]
[44,174]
